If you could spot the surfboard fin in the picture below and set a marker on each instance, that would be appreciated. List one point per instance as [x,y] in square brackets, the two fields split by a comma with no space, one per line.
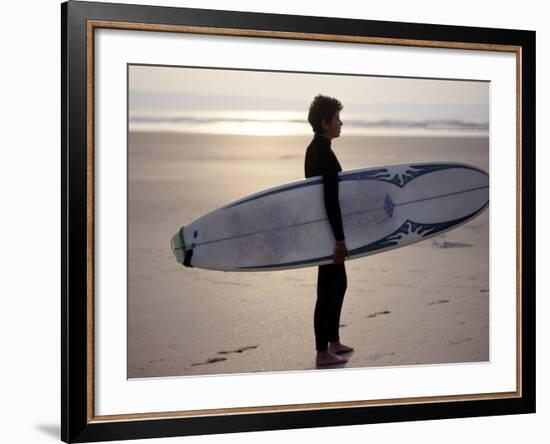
[188,252]
[187,258]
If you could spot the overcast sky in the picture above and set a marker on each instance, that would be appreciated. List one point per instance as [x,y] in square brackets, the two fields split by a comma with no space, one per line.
[178,88]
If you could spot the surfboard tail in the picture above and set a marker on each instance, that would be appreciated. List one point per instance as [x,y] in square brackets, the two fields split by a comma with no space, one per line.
[182,252]
[177,246]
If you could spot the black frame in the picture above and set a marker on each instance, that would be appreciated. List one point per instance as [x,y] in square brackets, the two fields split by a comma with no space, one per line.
[76,423]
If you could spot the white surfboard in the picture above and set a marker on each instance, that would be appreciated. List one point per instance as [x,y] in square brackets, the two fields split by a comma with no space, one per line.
[382,208]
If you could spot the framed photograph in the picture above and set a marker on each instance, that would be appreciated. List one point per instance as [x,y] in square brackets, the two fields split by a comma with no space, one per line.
[274,221]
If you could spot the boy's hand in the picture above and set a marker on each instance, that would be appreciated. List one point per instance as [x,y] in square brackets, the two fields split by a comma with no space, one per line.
[340,252]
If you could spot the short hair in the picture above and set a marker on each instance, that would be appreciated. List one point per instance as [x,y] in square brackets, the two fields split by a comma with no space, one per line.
[323,108]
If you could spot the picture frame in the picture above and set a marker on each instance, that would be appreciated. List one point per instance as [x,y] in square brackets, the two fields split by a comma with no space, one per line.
[80,22]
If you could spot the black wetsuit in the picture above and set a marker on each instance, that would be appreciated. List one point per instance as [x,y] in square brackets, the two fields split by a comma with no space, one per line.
[331,279]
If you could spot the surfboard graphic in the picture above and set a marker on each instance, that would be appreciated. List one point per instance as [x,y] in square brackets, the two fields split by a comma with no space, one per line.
[382,208]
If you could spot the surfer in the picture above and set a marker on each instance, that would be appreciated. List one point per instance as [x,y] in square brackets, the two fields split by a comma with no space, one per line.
[320,160]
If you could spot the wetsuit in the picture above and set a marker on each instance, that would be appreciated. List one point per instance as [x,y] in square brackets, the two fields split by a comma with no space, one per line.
[320,160]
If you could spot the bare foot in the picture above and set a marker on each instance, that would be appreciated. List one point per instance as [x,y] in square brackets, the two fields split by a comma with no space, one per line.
[326,358]
[338,348]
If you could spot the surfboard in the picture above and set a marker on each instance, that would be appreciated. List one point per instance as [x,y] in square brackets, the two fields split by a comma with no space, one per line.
[383,208]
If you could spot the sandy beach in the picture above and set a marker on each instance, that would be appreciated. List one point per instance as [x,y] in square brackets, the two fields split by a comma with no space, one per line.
[424,304]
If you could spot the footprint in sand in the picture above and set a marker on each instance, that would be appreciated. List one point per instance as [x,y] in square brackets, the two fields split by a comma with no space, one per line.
[440,301]
[208,361]
[239,350]
[373,315]
[224,352]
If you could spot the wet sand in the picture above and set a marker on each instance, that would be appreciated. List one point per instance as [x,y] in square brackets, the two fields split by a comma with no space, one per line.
[424,304]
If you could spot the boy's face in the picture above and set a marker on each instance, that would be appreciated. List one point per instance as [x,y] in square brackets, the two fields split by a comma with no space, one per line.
[333,126]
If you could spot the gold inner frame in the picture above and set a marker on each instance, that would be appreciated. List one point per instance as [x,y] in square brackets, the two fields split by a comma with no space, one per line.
[92,25]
